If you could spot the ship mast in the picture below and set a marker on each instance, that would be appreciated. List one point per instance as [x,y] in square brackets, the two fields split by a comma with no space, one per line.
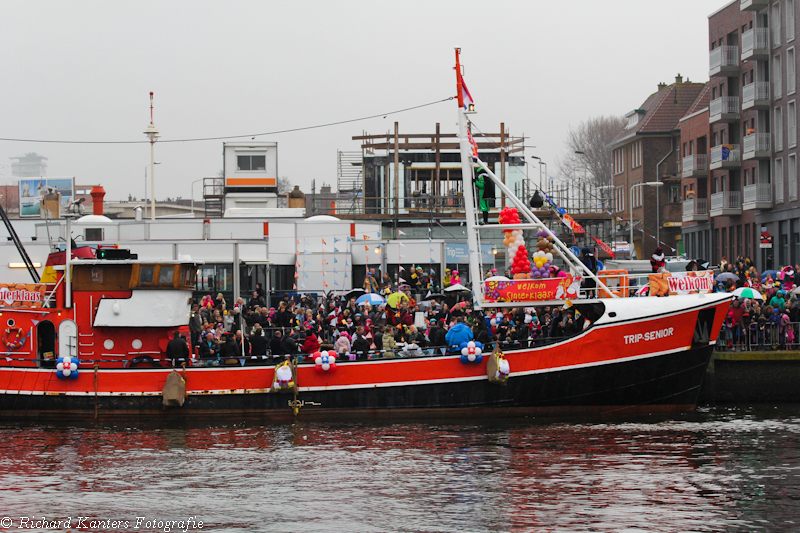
[467,171]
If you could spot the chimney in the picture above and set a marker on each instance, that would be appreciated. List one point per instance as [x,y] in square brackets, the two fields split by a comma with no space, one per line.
[662,86]
[679,78]
[97,193]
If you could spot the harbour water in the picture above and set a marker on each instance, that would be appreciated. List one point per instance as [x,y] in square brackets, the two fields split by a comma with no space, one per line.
[720,469]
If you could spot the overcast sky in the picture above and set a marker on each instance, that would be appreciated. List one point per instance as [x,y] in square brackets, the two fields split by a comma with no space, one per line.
[83,70]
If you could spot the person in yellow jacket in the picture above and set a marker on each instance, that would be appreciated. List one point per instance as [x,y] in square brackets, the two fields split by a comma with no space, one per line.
[448,279]
[388,342]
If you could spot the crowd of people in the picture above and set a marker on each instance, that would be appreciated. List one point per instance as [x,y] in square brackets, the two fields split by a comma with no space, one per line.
[253,333]
[769,321]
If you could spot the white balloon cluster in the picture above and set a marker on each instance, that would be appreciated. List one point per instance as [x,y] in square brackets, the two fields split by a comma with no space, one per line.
[325,360]
[67,366]
[516,241]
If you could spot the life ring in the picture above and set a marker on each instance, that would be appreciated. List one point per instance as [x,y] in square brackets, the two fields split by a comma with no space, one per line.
[14,338]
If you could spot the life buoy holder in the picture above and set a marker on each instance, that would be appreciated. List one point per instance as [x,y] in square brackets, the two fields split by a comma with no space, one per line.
[14,338]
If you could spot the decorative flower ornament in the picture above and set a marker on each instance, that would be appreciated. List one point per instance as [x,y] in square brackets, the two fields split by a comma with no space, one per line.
[67,367]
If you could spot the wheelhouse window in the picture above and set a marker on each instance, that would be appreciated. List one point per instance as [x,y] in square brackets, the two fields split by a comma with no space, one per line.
[251,162]
[146,274]
[165,275]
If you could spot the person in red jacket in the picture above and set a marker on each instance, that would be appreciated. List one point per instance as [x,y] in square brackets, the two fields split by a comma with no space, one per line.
[311,343]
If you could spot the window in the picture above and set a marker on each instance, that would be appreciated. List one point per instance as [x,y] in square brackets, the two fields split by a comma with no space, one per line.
[93,234]
[636,154]
[789,20]
[637,194]
[251,162]
[778,177]
[747,176]
[778,129]
[791,82]
[146,273]
[165,274]
[619,161]
[619,199]
[775,23]
[777,79]
[674,194]
[791,124]
[792,171]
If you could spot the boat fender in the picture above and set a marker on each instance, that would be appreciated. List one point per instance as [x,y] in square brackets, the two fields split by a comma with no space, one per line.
[14,338]
[67,367]
[174,392]
[498,369]
[325,361]
[471,352]
[115,307]
[285,379]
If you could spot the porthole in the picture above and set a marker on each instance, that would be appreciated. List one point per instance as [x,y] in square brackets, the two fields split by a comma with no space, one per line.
[10,322]
[136,344]
[108,344]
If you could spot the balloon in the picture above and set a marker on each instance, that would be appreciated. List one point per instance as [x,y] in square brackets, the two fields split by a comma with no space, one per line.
[332,354]
[546,275]
[318,360]
[493,321]
[549,256]
[66,371]
[326,367]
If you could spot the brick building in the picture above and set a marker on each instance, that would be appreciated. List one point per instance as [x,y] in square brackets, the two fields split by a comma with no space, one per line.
[648,150]
[695,132]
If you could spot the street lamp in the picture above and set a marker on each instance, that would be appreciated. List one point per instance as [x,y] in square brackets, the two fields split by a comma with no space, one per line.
[195,181]
[152,133]
[145,184]
[630,221]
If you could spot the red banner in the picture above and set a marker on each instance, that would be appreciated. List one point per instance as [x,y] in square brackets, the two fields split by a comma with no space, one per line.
[571,224]
[530,290]
[22,294]
[606,248]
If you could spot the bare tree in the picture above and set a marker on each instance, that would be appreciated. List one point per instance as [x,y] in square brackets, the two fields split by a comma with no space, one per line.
[586,150]
[284,188]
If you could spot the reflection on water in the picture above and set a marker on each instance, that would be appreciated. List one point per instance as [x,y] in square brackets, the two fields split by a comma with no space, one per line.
[732,469]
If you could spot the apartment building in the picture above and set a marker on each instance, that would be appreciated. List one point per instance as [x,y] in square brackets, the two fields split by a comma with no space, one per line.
[771,50]
[647,151]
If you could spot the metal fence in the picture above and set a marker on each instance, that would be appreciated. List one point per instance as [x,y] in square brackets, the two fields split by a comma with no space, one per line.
[756,337]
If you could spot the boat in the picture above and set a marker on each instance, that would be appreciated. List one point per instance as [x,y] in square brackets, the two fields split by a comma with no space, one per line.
[89,341]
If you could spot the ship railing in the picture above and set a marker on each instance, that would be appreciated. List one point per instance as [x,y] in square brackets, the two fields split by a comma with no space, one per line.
[759,337]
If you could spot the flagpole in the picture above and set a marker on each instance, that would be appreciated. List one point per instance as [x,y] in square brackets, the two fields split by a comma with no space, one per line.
[467,169]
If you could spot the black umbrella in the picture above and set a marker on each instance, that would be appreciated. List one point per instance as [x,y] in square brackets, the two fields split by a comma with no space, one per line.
[355,293]
[433,296]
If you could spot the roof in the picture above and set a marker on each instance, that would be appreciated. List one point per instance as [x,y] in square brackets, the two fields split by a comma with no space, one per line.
[662,111]
[702,101]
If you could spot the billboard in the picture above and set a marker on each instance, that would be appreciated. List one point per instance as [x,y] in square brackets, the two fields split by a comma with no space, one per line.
[22,294]
[672,283]
[31,191]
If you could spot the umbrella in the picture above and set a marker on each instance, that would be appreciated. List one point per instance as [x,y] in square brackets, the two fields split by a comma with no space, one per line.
[372,298]
[433,295]
[456,287]
[747,292]
[725,276]
[355,293]
[772,273]
[796,290]
[394,299]
[497,278]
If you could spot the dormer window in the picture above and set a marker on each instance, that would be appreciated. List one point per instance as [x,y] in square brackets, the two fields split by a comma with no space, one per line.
[633,117]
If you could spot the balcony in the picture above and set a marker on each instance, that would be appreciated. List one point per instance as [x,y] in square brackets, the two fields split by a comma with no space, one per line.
[755,95]
[755,44]
[728,203]
[724,109]
[725,156]
[756,146]
[723,61]
[757,196]
[695,210]
[695,166]
[753,5]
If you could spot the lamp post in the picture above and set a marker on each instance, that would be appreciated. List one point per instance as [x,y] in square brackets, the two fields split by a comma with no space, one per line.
[195,181]
[152,133]
[145,184]
[630,221]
